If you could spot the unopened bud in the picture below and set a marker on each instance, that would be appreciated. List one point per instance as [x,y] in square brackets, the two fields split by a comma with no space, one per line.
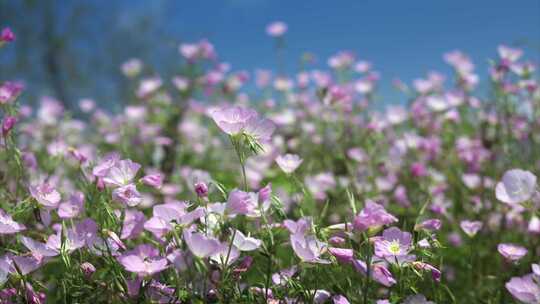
[8,124]
[201,189]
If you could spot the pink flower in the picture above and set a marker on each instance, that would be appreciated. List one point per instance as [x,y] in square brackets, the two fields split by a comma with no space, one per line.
[8,225]
[153,180]
[38,249]
[73,207]
[394,245]
[240,202]
[132,67]
[9,91]
[143,260]
[27,264]
[224,256]
[165,214]
[201,189]
[200,245]
[87,105]
[288,162]
[128,195]
[435,273]
[301,226]
[379,272]
[517,186]
[179,259]
[105,165]
[120,173]
[276,29]
[308,248]
[418,169]
[373,215]
[321,296]
[238,120]
[245,243]
[88,269]
[342,255]
[181,83]
[534,225]
[7,124]
[233,120]
[525,289]
[46,195]
[133,224]
[148,86]
[511,252]
[471,228]
[509,54]
[430,224]
[189,50]
[7,35]
[417,299]
[339,299]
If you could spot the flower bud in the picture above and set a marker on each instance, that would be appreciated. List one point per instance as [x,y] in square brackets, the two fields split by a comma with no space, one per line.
[7,35]
[153,180]
[201,189]
[88,269]
[8,124]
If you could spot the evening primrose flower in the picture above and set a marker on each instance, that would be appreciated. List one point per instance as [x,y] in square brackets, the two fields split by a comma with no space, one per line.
[339,299]
[430,225]
[149,86]
[379,272]
[471,228]
[245,243]
[511,252]
[165,215]
[7,124]
[200,245]
[201,189]
[132,67]
[224,256]
[133,224]
[144,260]
[394,245]
[7,35]
[153,180]
[289,162]
[8,225]
[9,91]
[417,299]
[525,289]
[240,202]
[237,120]
[373,215]
[435,273]
[73,207]
[121,173]
[128,195]
[343,255]
[517,186]
[233,120]
[276,29]
[509,54]
[46,195]
[308,248]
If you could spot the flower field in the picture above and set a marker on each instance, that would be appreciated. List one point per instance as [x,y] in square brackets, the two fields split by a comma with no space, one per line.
[224,186]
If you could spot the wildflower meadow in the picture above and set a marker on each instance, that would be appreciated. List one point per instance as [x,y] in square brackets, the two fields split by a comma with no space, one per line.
[227,186]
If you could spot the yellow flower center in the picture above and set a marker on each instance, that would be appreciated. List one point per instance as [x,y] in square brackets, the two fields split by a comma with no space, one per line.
[394,247]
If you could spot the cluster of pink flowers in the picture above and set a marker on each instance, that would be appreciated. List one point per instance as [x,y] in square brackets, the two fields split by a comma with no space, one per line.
[303,191]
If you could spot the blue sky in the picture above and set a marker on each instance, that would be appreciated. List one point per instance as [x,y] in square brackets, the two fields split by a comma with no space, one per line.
[401,38]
